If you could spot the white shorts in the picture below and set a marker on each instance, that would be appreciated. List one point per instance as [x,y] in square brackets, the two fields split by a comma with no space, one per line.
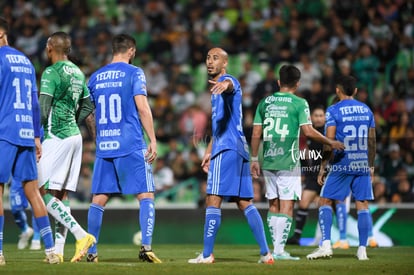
[283,184]
[60,163]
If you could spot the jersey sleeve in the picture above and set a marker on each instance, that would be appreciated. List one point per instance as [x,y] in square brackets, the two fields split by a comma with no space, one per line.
[235,84]
[139,83]
[258,118]
[85,92]
[330,117]
[372,122]
[304,113]
[90,86]
[49,82]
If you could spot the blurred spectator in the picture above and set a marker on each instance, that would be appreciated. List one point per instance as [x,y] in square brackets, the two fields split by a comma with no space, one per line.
[217,21]
[182,98]
[364,36]
[340,52]
[344,67]
[391,164]
[160,48]
[380,190]
[405,89]
[156,78]
[251,77]
[179,166]
[365,67]
[340,36]
[140,30]
[265,87]
[408,161]
[193,125]
[239,37]
[315,95]
[398,131]
[163,176]
[378,28]
[309,73]
[403,192]
[157,12]
[198,49]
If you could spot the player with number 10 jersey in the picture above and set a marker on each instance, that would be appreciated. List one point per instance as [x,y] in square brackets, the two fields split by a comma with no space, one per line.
[281,116]
[118,127]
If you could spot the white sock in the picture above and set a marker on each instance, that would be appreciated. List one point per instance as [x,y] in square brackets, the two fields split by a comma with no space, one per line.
[58,210]
[283,224]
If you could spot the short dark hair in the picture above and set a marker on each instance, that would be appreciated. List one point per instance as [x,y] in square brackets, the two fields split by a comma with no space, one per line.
[347,84]
[4,25]
[122,42]
[317,107]
[61,42]
[289,75]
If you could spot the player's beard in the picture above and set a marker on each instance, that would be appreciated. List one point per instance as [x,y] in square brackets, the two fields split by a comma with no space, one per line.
[213,75]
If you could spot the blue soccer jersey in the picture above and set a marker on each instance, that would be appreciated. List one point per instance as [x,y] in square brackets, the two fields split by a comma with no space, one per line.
[352,120]
[227,120]
[18,98]
[118,128]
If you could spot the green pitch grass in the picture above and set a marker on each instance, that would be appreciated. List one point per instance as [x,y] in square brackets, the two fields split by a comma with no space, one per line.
[230,259]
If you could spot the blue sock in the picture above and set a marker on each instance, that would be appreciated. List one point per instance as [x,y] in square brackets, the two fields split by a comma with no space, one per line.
[45,231]
[147,220]
[325,221]
[20,218]
[1,234]
[256,225]
[95,216]
[341,217]
[211,226]
[36,233]
[363,226]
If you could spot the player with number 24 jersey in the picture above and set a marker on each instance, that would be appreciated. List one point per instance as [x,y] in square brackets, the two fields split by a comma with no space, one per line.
[281,116]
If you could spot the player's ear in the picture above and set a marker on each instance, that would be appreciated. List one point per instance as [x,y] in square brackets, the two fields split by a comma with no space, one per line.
[355,92]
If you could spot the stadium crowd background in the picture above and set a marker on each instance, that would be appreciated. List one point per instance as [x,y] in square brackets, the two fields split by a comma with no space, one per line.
[371,39]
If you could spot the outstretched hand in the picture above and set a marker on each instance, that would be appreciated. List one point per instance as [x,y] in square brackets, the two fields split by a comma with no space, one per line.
[219,87]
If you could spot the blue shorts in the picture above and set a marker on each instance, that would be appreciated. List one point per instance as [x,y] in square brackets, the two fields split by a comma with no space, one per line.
[18,200]
[338,186]
[229,176]
[19,161]
[129,174]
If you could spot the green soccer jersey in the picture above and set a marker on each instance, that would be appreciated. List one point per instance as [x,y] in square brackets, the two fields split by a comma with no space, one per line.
[65,82]
[281,116]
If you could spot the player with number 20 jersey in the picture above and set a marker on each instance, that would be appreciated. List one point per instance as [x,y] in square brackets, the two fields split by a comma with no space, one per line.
[352,120]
